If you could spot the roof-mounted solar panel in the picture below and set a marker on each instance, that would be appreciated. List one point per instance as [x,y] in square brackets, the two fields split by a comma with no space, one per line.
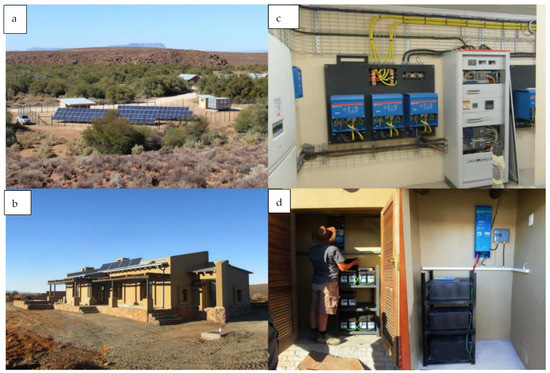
[124,263]
[135,261]
[114,265]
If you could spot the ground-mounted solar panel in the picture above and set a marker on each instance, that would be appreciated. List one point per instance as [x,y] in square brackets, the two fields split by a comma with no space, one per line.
[135,261]
[139,114]
[79,114]
[173,113]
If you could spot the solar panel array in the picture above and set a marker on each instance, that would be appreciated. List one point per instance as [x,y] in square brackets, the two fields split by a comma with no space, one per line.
[79,115]
[139,114]
[121,264]
[134,114]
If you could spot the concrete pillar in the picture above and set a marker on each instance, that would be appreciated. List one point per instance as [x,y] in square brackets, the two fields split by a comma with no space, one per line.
[221,267]
[113,301]
[149,296]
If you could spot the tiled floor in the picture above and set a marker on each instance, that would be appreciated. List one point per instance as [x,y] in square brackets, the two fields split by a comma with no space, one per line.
[490,355]
[367,348]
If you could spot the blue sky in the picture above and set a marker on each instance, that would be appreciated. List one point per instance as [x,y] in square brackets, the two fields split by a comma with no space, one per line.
[69,229]
[236,28]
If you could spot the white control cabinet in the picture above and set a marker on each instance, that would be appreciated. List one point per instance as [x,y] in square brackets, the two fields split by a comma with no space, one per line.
[476,114]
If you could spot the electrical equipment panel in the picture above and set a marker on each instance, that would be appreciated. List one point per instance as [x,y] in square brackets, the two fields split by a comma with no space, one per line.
[372,82]
[298,86]
[347,116]
[476,113]
[524,107]
[387,115]
[501,235]
[421,112]
[484,215]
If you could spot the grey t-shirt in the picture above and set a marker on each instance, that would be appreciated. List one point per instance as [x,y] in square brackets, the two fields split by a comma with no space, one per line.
[324,259]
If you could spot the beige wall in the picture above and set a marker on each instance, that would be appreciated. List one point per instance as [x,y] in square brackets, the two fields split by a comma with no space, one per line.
[411,239]
[235,279]
[339,198]
[180,278]
[447,230]
[528,290]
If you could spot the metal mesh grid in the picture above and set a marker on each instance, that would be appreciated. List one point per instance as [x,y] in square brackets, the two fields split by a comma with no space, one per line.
[357,25]
[359,158]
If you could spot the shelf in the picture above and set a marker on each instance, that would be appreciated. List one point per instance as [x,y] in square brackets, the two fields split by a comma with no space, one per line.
[346,286]
[373,332]
[444,302]
[449,361]
[449,332]
[361,307]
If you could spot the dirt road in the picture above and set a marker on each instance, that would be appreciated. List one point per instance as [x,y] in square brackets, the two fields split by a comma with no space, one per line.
[53,339]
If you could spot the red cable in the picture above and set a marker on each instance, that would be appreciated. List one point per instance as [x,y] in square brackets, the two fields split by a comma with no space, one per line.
[475,264]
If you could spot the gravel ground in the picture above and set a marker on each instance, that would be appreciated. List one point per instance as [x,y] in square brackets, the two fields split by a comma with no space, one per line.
[126,344]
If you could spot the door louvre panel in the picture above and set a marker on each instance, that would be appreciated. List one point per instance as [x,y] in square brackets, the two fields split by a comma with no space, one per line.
[281,283]
[389,278]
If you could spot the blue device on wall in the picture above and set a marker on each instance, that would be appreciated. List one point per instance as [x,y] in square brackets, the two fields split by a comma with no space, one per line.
[298,87]
[484,216]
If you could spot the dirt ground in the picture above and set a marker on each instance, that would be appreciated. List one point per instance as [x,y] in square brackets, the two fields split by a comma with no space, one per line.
[51,339]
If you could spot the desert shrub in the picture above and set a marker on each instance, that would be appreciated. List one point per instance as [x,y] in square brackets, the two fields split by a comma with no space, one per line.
[27,139]
[198,126]
[175,137]
[163,151]
[137,149]
[45,151]
[117,182]
[79,147]
[193,143]
[110,135]
[253,119]
[15,147]
[153,139]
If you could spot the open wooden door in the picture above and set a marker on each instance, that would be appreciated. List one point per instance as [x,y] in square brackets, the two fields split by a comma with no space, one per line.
[393,300]
[282,279]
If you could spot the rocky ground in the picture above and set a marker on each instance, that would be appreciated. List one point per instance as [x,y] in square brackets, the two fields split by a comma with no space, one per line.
[53,339]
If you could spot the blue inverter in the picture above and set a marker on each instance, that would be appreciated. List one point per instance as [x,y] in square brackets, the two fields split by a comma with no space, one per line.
[347,117]
[421,110]
[484,215]
[524,104]
[298,86]
[387,114]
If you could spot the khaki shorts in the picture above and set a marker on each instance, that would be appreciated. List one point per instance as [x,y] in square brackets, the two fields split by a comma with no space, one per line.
[324,298]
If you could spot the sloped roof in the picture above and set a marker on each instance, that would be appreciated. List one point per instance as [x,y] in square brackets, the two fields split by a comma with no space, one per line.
[188,76]
[76,101]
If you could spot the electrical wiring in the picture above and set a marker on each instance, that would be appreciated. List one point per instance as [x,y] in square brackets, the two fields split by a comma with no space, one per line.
[475,264]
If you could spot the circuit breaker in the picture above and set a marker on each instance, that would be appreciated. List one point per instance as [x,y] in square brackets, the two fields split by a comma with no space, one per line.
[421,112]
[347,116]
[476,113]
[484,216]
[524,107]
[387,115]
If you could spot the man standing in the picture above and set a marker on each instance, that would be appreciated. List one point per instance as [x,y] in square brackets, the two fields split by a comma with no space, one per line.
[327,261]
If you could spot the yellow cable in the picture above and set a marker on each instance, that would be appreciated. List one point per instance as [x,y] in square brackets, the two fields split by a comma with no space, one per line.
[436,21]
